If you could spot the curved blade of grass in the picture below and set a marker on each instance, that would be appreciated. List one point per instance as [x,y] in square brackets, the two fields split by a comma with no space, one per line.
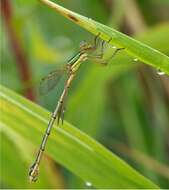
[135,48]
[68,146]
[117,67]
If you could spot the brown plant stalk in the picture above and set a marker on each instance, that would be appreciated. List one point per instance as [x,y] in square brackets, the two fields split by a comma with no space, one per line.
[17,49]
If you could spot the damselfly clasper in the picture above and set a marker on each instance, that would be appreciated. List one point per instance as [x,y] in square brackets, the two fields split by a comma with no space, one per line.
[86,51]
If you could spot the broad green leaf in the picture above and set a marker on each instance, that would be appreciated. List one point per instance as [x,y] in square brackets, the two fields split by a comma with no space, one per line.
[135,48]
[68,146]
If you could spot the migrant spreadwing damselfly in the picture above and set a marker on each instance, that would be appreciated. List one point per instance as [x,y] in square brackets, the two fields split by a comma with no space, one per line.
[86,51]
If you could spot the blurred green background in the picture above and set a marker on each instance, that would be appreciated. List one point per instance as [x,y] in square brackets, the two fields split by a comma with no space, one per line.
[125,106]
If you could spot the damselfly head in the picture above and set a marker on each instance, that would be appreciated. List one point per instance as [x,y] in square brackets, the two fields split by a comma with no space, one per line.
[84,46]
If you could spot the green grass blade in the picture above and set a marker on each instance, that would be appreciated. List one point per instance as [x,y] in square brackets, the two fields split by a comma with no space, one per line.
[68,146]
[134,47]
[102,76]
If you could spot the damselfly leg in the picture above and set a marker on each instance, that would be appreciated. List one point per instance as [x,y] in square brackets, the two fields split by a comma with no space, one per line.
[99,58]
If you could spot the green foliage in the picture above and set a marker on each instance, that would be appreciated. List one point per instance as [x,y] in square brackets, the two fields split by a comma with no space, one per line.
[67,145]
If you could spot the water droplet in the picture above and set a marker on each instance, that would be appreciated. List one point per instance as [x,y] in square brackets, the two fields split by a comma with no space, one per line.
[159,72]
[88,184]
[114,47]
[135,59]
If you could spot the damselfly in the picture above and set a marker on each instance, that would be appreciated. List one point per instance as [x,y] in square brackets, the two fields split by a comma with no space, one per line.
[86,51]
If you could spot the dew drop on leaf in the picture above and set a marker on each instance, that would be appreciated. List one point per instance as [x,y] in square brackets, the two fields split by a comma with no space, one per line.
[88,184]
[159,72]
[135,59]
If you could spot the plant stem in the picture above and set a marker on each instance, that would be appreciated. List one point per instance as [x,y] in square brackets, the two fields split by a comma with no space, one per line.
[17,49]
